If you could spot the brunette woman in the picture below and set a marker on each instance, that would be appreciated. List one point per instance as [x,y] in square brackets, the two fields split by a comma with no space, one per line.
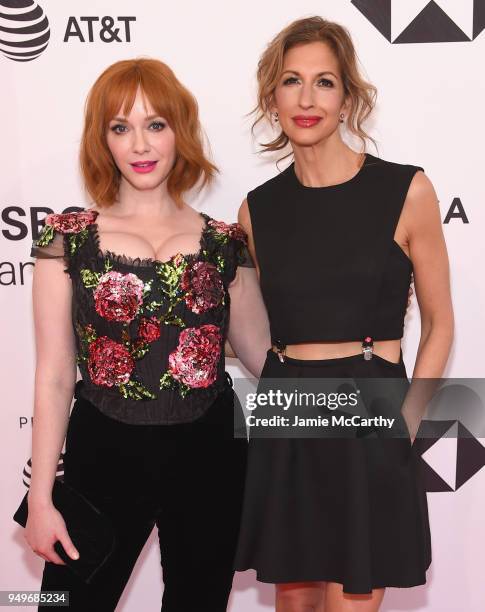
[336,237]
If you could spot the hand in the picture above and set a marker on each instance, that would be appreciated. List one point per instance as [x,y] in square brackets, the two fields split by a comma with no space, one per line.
[44,527]
[229,351]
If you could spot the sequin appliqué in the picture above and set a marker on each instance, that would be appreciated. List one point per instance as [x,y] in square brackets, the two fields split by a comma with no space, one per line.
[124,298]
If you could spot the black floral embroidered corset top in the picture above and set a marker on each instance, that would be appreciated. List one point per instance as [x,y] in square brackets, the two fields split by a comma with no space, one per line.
[149,334]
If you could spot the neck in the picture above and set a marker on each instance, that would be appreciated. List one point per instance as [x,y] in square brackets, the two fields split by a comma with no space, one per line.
[149,203]
[327,163]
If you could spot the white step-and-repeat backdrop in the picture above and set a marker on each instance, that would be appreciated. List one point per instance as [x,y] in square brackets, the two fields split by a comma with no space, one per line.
[426,59]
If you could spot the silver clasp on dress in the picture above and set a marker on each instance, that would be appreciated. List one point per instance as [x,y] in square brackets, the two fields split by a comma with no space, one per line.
[280,350]
[367,347]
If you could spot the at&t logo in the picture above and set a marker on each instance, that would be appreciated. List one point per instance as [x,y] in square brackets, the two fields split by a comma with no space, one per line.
[24,30]
[106,29]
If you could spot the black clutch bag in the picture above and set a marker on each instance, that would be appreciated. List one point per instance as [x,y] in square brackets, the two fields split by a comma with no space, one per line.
[90,531]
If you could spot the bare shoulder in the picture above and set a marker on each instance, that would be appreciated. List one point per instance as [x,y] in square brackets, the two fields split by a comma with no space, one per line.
[421,192]
[421,205]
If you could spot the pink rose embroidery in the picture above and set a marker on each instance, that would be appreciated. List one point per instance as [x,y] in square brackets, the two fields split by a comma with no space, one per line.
[203,286]
[194,361]
[232,230]
[149,329]
[109,363]
[118,296]
[71,223]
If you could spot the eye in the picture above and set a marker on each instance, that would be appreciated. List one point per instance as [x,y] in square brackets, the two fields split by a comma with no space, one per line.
[158,125]
[326,81]
[115,129]
[290,80]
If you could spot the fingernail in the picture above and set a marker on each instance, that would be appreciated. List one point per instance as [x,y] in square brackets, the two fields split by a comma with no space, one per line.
[76,555]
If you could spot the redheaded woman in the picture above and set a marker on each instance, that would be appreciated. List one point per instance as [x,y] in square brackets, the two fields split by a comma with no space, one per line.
[136,291]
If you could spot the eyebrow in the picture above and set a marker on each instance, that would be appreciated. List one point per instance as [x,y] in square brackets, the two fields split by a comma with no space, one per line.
[319,74]
[124,120]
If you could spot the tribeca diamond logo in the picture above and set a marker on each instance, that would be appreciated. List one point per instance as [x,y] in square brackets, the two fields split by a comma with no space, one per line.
[449,455]
[449,449]
[422,21]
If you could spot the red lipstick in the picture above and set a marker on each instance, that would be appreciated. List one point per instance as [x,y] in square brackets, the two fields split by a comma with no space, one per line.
[142,167]
[306,121]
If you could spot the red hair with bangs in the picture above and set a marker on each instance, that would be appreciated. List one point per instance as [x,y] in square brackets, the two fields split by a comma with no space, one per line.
[116,87]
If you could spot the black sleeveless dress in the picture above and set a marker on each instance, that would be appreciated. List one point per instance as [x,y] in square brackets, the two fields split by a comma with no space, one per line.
[349,509]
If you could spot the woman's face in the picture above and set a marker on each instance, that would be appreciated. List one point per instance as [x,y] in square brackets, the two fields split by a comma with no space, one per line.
[309,96]
[142,145]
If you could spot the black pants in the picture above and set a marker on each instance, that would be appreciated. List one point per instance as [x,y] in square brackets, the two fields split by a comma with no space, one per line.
[187,479]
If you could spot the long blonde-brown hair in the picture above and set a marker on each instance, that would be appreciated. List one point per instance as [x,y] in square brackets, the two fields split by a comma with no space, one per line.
[314,29]
[117,86]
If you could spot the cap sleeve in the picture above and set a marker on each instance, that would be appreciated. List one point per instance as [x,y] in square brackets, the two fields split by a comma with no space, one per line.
[230,243]
[243,256]
[237,252]
[49,245]
[53,250]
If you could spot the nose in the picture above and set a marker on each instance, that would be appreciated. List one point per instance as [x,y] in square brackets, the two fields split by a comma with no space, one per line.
[140,142]
[306,96]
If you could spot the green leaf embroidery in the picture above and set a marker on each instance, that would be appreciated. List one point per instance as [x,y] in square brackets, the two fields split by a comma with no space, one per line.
[219,237]
[72,244]
[135,390]
[86,336]
[184,389]
[169,273]
[107,265]
[220,263]
[147,288]
[173,320]
[167,381]
[152,306]
[46,236]
[90,279]
[140,351]
[77,240]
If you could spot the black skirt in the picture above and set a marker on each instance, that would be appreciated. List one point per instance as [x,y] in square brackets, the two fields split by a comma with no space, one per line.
[346,510]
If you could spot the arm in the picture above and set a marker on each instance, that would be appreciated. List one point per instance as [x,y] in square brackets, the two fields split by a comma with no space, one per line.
[422,222]
[55,377]
[427,250]
[248,333]
[244,219]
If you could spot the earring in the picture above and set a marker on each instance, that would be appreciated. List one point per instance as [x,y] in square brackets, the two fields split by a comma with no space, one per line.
[342,117]
[275,116]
